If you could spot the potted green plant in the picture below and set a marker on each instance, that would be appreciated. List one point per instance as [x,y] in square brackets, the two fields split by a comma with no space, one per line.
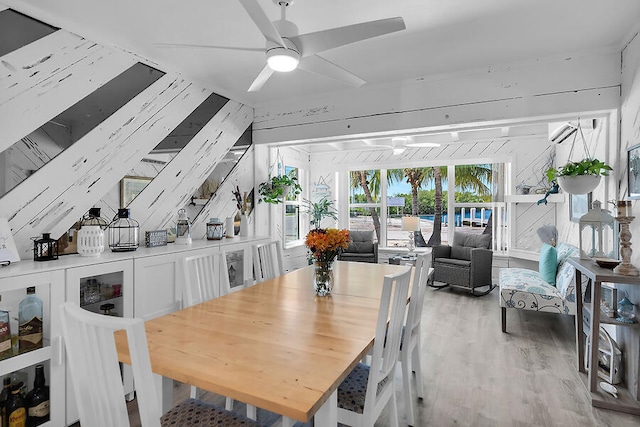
[579,177]
[276,188]
[319,210]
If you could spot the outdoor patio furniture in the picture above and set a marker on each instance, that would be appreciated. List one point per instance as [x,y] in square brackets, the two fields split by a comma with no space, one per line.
[363,247]
[466,263]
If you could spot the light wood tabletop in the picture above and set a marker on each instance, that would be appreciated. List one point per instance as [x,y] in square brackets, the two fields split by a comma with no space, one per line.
[275,345]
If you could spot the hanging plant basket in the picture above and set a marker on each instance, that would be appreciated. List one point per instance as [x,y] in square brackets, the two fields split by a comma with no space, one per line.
[579,184]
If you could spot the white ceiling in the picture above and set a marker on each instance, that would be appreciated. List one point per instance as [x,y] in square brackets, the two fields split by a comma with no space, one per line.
[442,36]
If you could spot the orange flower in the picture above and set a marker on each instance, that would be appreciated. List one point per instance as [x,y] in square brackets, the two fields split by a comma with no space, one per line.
[326,244]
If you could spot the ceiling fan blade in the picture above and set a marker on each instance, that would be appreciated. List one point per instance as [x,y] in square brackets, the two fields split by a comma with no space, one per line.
[261,79]
[262,21]
[207,46]
[312,43]
[321,66]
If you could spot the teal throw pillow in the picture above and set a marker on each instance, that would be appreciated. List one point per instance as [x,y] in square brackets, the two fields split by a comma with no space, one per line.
[548,263]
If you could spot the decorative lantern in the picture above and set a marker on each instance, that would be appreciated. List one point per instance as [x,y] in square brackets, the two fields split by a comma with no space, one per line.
[91,233]
[609,358]
[45,249]
[183,229]
[215,229]
[123,232]
[598,235]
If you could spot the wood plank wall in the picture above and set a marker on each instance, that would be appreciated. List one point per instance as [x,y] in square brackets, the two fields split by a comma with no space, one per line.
[42,79]
[629,338]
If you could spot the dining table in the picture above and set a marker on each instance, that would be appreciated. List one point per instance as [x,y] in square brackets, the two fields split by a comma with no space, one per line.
[275,345]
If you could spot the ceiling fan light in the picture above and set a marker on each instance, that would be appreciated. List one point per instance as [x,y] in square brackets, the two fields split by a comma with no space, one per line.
[282,59]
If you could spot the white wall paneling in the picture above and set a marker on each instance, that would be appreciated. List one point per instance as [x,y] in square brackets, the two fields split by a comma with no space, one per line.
[157,205]
[54,197]
[44,78]
[630,136]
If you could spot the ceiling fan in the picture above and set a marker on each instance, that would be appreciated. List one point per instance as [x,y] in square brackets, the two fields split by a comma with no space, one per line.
[287,50]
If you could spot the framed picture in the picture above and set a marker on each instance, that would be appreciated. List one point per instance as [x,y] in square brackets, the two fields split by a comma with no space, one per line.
[578,205]
[633,172]
[8,249]
[235,268]
[68,242]
[130,187]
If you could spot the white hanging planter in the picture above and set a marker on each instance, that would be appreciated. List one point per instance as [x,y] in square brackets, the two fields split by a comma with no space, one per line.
[579,184]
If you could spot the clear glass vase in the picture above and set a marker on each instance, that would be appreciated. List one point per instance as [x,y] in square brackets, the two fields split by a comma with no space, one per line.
[323,278]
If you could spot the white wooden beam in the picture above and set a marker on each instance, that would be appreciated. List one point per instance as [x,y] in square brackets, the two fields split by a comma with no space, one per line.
[157,205]
[44,78]
[54,197]
[542,87]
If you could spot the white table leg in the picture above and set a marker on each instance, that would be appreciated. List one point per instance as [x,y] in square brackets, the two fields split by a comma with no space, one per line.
[327,415]
[164,389]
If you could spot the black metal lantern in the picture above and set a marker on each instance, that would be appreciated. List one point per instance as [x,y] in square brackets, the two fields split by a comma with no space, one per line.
[45,249]
[123,232]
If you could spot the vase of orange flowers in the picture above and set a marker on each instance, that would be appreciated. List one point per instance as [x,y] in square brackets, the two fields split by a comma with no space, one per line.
[325,245]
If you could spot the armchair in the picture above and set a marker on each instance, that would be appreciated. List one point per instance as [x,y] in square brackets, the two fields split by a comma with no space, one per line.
[363,247]
[466,263]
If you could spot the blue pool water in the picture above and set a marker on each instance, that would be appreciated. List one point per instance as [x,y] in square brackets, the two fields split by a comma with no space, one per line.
[458,219]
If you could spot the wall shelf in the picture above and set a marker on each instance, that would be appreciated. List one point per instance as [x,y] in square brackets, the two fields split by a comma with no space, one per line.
[533,198]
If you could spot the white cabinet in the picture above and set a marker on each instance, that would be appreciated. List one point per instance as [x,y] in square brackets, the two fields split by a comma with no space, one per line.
[96,287]
[50,288]
[156,284]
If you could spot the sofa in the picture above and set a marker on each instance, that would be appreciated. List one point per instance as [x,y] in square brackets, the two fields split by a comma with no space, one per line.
[525,289]
[467,262]
[363,247]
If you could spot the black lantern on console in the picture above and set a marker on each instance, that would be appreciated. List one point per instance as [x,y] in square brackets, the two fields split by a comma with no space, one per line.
[45,249]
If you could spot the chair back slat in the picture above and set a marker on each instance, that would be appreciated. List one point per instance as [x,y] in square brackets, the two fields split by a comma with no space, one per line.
[267,260]
[200,279]
[95,371]
[420,278]
[391,316]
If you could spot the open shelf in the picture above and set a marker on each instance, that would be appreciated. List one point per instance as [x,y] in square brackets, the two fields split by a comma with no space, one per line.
[601,399]
[604,319]
[533,198]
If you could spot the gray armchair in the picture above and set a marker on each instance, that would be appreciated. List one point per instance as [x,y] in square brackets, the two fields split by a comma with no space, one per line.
[363,247]
[466,263]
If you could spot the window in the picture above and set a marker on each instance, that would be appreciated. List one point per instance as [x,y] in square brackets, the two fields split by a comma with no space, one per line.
[364,201]
[292,227]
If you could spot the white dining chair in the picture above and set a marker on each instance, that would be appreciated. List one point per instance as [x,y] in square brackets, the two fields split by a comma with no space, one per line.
[368,389]
[95,375]
[411,343]
[205,278]
[267,260]
[201,278]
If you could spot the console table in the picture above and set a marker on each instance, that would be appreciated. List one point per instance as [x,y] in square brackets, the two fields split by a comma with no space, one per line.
[596,276]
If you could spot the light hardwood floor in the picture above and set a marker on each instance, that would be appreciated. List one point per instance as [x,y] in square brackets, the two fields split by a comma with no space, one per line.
[475,375]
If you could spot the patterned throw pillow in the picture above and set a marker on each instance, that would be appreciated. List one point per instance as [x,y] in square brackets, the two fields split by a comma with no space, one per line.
[548,263]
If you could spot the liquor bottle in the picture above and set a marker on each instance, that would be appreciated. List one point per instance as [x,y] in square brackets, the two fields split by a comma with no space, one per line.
[16,411]
[37,400]
[30,322]
[4,396]
[6,349]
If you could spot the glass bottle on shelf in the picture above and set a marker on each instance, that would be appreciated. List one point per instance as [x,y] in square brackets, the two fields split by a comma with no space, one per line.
[4,396]
[30,322]
[37,400]
[6,348]
[16,411]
